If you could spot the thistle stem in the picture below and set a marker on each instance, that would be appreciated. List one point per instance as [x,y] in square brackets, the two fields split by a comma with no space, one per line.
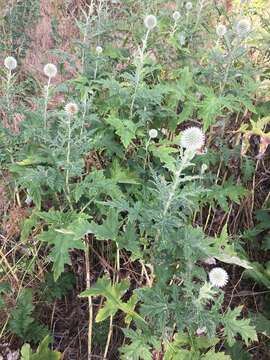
[185,160]
[139,71]
[8,90]
[68,162]
[46,102]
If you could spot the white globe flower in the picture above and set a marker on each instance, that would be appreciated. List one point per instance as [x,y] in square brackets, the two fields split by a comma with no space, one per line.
[71,108]
[218,277]
[204,167]
[50,70]
[99,50]
[221,30]
[150,21]
[192,138]
[10,63]
[153,133]
[189,6]
[243,27]
[176,15]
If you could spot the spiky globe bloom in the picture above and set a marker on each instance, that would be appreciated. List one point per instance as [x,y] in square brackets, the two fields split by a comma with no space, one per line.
[99,50]
[71,108]
[221,30]
[243,27]
[192,138]
[218,277]
[10,63]
[50,70]
[150,21]
[189,6]
[153,133]
[176,15]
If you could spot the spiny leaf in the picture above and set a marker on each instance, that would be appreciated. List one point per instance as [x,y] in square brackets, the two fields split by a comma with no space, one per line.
[141,345]
[43,352]
[113,294]
[108,230]
[123,176]
[63,240]
[211,355]
[22,322]
[130,241]
[125,129]
[164,154]
[233,326]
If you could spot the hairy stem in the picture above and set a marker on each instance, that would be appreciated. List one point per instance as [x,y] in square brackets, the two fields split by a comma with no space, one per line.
[46,102]
[139,72]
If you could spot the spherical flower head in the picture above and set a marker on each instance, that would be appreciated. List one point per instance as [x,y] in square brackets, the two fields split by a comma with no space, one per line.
[243,27]
[192,139]
[71,108]
[221,30]
[10,63]
[99,50]
[50,70]
[189,6]
[204,167]
[153,133]
[176,15]
[150,21]
[218,277]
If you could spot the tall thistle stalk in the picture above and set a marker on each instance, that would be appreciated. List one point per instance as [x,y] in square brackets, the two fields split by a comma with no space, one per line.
[192,140]
[10,64]
[150,23]
[71,109]
[50,70]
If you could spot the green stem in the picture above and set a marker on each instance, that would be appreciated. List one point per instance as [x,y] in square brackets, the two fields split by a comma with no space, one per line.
[184,163]
[68,162]
[138,72]
[46,102]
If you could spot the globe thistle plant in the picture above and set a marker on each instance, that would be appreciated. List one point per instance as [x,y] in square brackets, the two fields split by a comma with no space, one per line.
[218,277]
[50,70]
[71,108]
[150,22]
[192,139]
[189,6]
[10,63]
[153,133]
[99,50]
[176,15]
[221,30]
[243,27]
